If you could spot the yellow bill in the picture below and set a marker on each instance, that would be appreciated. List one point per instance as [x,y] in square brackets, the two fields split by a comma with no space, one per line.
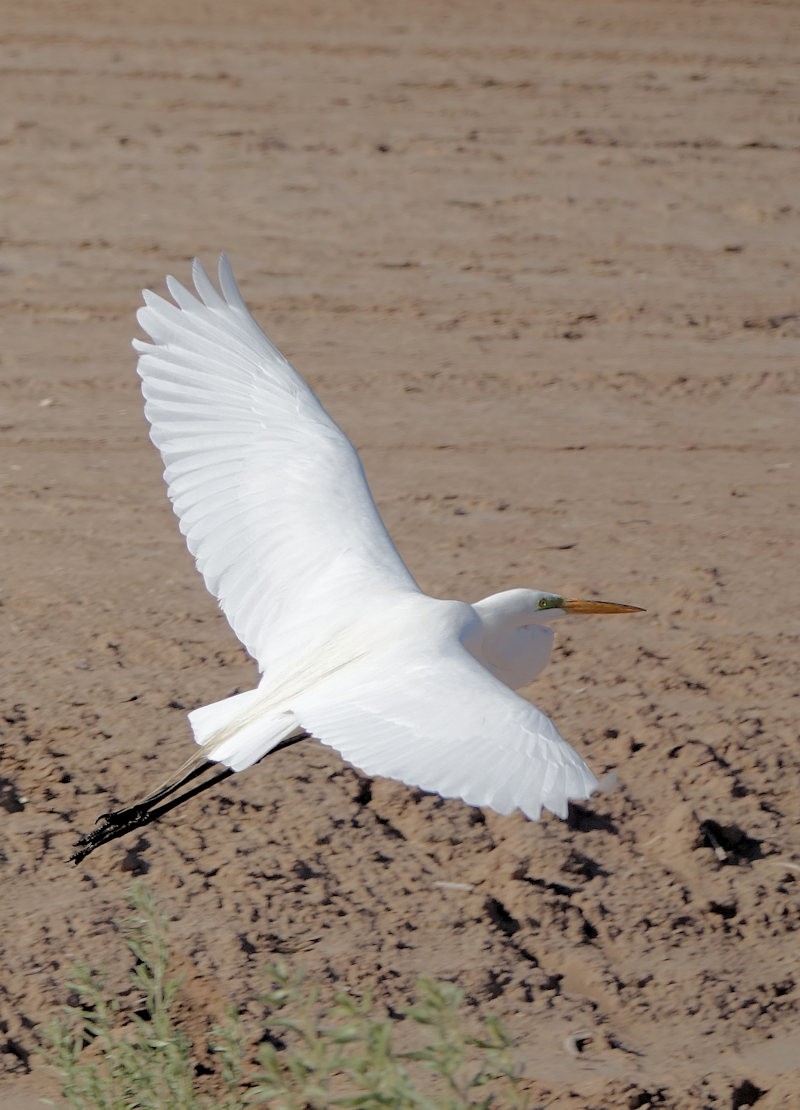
[575,605]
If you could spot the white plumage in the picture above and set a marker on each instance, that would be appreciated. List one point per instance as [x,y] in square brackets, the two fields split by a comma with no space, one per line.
[277,513]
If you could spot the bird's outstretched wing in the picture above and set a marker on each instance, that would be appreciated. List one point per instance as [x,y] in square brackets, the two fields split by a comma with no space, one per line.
[270,493]
[450,727]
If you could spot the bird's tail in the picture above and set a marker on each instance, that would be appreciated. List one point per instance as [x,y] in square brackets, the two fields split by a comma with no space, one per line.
[241,729]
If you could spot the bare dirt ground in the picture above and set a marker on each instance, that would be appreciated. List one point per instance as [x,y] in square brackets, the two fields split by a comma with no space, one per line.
[539,260]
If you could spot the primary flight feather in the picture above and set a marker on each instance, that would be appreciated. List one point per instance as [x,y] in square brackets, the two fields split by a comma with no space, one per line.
[276,510]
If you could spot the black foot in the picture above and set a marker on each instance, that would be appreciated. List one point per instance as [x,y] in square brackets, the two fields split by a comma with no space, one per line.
[122,821]
[114,825]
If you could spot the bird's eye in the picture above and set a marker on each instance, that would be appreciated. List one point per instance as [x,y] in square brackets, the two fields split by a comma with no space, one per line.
[543,602]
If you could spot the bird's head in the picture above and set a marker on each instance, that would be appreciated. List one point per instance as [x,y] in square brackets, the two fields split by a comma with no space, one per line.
[513,637]
[549,607]
[522,608]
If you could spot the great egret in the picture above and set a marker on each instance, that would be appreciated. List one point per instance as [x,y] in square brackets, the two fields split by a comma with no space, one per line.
[277,513]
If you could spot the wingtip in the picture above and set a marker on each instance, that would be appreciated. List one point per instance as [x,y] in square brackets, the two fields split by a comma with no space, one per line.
[198,273]
[142,313]
[206,290]
[225,272]
[209,294]
[229,285]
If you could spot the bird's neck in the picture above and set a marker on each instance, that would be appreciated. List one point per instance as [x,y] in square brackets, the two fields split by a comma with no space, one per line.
[512,609]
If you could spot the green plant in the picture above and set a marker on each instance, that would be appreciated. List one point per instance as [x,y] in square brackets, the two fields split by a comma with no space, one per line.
[108,1060]
[343,1055]
[321,1054]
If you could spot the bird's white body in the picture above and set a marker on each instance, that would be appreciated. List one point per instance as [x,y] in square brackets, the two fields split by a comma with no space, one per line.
[377,688]
[277,512]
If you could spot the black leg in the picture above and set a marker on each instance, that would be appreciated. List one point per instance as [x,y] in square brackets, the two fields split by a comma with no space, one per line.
[122,821]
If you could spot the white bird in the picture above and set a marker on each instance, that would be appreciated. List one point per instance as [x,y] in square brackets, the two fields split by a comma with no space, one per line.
[276,510]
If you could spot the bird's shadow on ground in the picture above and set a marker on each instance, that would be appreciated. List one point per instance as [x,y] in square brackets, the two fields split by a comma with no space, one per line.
[580,819]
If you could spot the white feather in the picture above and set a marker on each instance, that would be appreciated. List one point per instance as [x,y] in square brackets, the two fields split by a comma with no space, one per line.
[295,483]
[276,510]
[448,727]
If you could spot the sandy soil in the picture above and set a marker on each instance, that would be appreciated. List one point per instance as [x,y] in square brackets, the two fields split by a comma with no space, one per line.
[539,260]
